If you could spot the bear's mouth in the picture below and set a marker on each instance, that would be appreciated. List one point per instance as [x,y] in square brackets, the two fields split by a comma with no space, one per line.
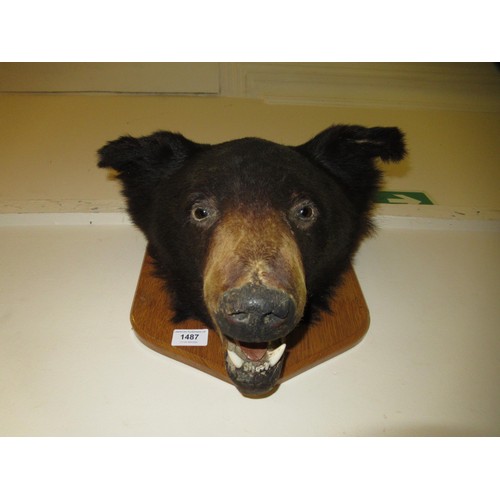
[254,367]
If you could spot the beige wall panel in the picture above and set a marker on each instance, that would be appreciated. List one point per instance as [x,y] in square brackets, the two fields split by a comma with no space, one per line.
[174,78]
[48,144]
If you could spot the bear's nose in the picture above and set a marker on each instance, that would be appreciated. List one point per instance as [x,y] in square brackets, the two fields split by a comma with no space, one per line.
[255,313]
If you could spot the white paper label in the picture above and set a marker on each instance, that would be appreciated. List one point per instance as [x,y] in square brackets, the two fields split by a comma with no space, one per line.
[198,337]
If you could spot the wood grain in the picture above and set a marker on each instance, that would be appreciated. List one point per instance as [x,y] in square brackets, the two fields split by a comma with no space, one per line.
[308,346]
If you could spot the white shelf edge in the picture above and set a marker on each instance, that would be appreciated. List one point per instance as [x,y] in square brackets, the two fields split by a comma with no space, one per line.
[430,217]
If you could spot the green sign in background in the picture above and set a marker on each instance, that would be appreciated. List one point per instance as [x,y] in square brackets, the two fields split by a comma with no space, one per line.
[403,198]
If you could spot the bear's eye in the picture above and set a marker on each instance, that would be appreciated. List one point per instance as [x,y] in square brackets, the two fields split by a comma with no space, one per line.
[304,214]
[203,213]
[200,213]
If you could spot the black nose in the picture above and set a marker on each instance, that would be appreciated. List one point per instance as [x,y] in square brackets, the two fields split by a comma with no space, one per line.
[255,313]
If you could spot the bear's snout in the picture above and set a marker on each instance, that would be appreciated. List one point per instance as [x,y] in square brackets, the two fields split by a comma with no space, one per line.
[256,313]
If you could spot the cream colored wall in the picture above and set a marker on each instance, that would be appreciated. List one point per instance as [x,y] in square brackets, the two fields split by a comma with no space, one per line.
[110,77]
[48,143]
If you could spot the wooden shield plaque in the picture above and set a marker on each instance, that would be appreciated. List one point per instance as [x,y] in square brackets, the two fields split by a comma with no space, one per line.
[332,334]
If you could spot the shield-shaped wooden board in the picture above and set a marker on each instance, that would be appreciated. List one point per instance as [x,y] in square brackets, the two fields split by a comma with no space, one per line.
[330,335]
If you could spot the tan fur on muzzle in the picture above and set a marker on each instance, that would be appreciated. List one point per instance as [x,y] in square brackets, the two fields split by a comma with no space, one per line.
[254,247]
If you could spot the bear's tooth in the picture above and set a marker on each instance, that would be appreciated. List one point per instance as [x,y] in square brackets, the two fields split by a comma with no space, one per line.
[235,359]
[275,356]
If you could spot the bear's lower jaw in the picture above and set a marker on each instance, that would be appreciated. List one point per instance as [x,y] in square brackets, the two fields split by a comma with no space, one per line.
[254,368]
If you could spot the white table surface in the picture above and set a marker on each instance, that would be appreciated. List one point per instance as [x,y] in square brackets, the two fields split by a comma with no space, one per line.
[70,364]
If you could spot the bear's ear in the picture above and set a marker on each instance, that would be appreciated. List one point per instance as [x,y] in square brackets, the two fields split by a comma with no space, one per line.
[146,157]
[348,152]
[344,143]
[141,164]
